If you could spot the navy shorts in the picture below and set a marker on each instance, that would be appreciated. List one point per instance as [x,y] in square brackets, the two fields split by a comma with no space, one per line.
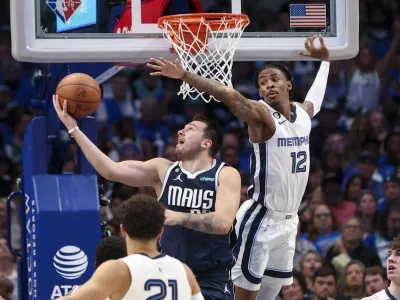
[217,289]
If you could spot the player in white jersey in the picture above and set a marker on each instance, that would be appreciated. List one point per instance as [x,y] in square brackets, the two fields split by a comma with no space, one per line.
[144,273]
[279,131]
[393,274]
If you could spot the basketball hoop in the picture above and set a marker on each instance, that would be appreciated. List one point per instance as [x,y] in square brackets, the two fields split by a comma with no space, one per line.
[205,44]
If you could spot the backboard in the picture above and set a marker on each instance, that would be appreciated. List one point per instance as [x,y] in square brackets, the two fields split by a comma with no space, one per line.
[126,30]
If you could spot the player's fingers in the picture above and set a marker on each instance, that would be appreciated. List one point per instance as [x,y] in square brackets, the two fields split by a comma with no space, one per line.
[307,44]
[312,41]
[155,67]
[321,40]
[158,62]
[178,63]
[166,62]
[56,104]
[156,74]
[65,104]
[305,54]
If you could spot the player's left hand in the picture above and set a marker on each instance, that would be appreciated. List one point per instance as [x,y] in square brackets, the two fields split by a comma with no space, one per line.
[172,217]
[166,68]
[321,53]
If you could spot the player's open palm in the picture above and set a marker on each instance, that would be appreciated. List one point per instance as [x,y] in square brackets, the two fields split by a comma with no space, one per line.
[166,68]
[63,114]
[321,52]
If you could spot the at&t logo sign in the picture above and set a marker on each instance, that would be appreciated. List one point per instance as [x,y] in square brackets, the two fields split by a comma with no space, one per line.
[70,262]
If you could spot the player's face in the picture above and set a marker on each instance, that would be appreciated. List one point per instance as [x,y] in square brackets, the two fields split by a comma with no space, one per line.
[393,265]
[273,86]
[191,140]
[374,284]
[293,291]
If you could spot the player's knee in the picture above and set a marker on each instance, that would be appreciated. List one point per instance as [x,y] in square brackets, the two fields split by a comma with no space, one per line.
[268,290]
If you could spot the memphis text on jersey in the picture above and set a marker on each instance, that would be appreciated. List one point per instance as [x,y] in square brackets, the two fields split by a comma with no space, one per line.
[293,141]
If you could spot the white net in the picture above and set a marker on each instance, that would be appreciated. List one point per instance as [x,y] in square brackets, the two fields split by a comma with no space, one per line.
[207,50]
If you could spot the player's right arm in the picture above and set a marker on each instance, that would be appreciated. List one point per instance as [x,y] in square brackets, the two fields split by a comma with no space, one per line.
[194,286]
[254,113]
[133,173]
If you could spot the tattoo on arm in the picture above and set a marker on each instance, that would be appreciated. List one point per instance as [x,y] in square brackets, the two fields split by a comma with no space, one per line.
[235,101]
[201,222]
[308,106]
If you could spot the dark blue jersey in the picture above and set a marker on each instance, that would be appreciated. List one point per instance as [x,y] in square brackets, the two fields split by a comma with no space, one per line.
[194,193]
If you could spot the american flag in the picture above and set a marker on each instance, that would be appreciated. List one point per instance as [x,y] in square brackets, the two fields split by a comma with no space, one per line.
[307,15]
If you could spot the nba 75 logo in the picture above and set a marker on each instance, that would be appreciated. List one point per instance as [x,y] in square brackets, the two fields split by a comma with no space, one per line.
[64,9]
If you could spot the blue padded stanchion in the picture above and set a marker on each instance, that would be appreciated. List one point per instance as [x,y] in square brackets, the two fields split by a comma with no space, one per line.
[62,219]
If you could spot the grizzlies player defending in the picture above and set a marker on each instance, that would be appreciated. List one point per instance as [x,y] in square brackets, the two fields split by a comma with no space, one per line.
[393,274]
[144,273]
[279,131]
[200,193]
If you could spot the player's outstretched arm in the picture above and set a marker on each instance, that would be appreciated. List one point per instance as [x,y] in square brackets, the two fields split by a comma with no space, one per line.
[315,96]
[109,278]
[226,207]
[194,286]
[249,111]
[133,173]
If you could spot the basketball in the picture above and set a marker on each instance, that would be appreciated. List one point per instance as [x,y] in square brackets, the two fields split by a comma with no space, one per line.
[82,93]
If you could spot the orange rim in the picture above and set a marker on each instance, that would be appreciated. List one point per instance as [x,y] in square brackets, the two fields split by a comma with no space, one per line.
[213,19]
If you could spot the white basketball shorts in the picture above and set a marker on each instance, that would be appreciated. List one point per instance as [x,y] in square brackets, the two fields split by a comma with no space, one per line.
[266,242]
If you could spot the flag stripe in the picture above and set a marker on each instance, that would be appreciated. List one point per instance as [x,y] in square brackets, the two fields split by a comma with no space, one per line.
[307,15]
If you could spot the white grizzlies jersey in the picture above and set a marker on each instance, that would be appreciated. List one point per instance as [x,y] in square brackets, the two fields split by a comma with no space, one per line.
[160,277]
[385,295]
[279,167]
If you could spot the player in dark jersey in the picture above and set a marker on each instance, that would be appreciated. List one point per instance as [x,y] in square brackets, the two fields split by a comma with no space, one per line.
[201,196]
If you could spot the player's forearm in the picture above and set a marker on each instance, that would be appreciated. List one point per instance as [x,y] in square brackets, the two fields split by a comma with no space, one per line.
[235,101]
[208,223]
[101,162]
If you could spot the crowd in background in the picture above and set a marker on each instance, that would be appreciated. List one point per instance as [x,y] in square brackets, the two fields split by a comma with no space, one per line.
[351,209]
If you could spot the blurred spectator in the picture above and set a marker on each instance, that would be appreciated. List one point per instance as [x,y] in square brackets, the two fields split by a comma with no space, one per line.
[6,289]
[309,264]
[322,229]
[391,192]
[8,268]
[117,100]
[333,197]
[350,247]
[367,212]
[375,280]
[351,281]
[150,127]
[389,227]
[353,188]
[295,291]
[170,153]
[325,282]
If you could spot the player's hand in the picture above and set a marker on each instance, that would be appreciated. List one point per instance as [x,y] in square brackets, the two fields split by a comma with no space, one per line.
[321,53]
[166,68]
[173,217]
[62,113]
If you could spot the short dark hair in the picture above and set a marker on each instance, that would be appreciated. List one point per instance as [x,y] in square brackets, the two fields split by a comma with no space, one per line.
[324,271]
[395,243]
[281,67]
[376,270]
[111,247]
[213,131]
[142,217]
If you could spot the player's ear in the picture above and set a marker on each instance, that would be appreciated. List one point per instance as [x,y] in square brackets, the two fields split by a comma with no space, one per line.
[122,229]
[207,143]
[289,85]
[161,233]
